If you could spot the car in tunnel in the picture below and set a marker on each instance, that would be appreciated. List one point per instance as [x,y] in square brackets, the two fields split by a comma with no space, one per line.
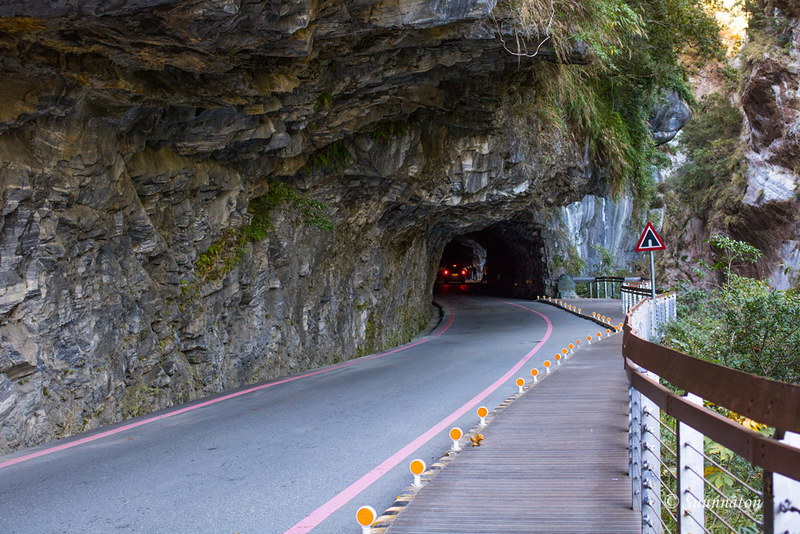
[453,274]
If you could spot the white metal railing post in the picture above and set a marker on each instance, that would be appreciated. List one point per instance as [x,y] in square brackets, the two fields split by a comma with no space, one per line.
[651,465]
[635,446]
[644,441]
[786,496]
[691,514]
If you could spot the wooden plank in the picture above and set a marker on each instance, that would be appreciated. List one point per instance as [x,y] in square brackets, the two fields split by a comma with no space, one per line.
[554,461]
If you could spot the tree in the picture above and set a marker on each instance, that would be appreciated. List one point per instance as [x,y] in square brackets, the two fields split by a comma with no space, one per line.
[744,323]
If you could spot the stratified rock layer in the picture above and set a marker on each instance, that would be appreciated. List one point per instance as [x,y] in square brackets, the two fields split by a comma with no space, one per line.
[134,135]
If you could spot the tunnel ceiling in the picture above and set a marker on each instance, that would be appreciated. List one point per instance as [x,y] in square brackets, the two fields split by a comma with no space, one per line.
[348,101]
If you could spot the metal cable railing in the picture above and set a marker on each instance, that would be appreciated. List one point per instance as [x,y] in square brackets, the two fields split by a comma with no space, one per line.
[663,508]
[666,427]
[658,438]
[715,514]
[699,524]
[727,497]
[688,500]
[726,471]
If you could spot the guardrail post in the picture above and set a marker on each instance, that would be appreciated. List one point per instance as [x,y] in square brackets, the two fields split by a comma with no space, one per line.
[691,513]
[651,465]
[635,446]
[786,496]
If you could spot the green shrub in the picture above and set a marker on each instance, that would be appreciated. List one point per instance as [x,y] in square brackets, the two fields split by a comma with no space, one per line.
[743,324]
[711,180]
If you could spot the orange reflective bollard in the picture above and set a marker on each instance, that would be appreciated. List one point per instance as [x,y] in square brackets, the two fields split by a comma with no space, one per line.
[365,516]
[482,413]
[417,467]
[455,435]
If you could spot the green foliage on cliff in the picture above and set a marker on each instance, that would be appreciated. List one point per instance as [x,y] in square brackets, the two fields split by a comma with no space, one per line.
[334,157]
[573,264]
[281,195]
[743,323]
[232,246]
[633,48]
[767,31]
[389,130]
[711,181]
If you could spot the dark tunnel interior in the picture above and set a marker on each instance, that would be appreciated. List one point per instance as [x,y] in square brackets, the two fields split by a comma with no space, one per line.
[505,259]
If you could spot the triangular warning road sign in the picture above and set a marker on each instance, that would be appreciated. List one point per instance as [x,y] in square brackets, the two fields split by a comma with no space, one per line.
[650,240]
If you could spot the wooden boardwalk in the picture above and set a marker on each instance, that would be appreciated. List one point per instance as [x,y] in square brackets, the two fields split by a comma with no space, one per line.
[553,461]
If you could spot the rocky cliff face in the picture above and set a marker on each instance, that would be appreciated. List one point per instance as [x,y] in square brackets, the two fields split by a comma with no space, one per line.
[162,165]
[770,101]
[607,225]
[763,209]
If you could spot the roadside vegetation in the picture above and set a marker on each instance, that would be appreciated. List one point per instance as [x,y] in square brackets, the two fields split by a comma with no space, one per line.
[744,324]
[740,323]
[633,49]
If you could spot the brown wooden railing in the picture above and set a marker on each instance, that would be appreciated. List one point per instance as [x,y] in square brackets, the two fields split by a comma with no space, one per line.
[772,403]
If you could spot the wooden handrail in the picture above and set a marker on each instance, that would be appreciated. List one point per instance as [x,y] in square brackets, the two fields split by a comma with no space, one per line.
[762,451]
[642,291]
[767,401]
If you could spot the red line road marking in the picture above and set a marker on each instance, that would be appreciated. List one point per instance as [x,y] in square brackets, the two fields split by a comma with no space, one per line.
[179,411]
[323,512]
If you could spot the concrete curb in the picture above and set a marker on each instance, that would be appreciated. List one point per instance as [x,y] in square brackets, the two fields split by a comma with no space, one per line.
[555,303]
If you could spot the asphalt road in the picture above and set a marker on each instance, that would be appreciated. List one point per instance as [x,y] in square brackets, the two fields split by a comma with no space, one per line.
[294,455]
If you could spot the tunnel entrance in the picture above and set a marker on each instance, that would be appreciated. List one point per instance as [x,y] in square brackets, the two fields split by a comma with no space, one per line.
[463,260]
[504,259]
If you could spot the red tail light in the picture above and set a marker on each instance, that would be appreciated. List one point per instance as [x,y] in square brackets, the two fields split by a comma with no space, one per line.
[446,272]
[464,272]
